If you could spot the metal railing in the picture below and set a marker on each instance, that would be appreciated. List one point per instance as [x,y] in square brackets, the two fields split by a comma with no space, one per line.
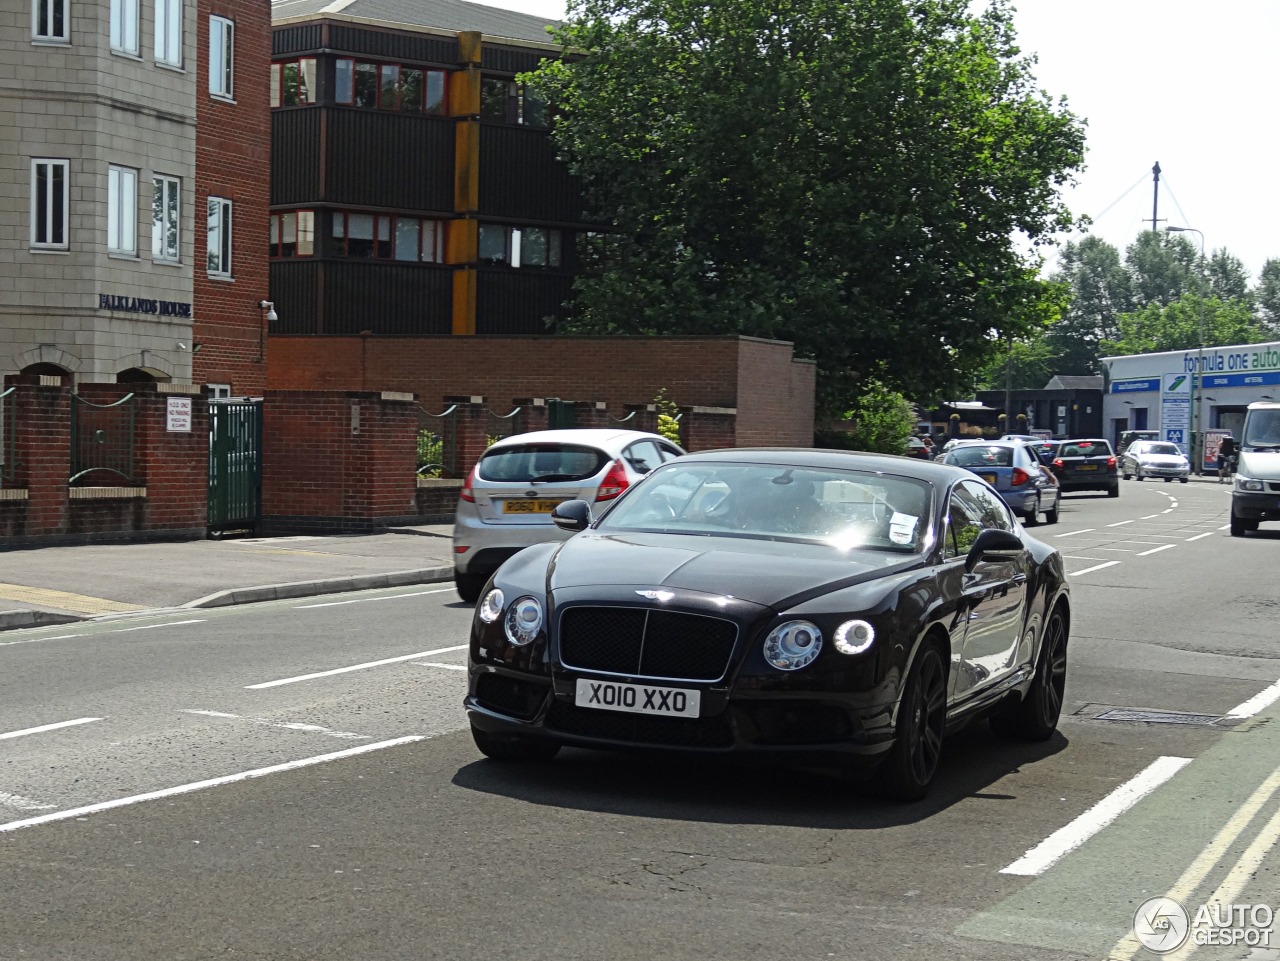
[438,443]
[8,436]
[102,438]
[501,426]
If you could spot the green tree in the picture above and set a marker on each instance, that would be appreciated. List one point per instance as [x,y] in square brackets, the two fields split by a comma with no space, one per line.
[1100,290]
[849,175]
[1163,267]
[881,421]
[1266,296]
[1156,328]
[1228,280]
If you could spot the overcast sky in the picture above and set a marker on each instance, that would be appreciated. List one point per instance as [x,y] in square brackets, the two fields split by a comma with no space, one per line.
[1189,83]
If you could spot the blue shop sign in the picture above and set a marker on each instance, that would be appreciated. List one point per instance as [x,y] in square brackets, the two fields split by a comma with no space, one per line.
[1260,379]
[143,305]
[1129,386]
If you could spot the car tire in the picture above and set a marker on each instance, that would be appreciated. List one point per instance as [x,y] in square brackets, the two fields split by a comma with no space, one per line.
[1184,479]
[1138,475]
[1035,717]
[1237,526]
[1124,476]
[469,586]
[1032,517]
[909,767]
[1114,489]
[500,747]
[1051,517]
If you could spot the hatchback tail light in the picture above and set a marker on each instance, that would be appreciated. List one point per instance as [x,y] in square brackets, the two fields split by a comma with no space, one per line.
[1019,477]
[467,494]
[614,483]
[1057,462]
[1111,463]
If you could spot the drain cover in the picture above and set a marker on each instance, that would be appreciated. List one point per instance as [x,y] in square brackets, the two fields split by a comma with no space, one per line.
[1158,717]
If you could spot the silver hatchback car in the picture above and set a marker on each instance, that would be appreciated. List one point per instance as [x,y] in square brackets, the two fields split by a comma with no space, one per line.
[506,501]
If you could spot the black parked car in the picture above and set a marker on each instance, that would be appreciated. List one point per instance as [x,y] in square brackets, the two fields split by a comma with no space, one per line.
[850,607]
[1086,464]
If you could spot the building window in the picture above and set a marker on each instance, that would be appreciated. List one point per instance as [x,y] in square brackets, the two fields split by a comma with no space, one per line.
[124,26]
[505,101]
[219,237]
[49,203]
[50,21]
[293,83]
[222,45]
[389,86]
[122,210]
[386,237]
[519,246]
[166,202]
[169,32]
[293,234]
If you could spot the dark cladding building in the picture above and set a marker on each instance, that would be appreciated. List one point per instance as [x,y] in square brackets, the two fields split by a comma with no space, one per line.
[414,187]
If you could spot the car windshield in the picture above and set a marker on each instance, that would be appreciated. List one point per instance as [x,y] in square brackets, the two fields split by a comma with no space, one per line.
[1262,428]
[841,508]
[1159,449]
[982,456]
[527,463]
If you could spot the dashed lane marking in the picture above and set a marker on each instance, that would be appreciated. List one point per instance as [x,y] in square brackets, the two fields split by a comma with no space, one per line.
[48,727]
[1263,699]
[287,725]
[151,627]
[1198,536]
[1074,533]
[1120,523]
[1090,570]
[370,600]
[447,667]
[65,600]
[355,667]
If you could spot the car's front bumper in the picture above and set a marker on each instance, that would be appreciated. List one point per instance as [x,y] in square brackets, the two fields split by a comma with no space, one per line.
[1255,506]
[1155,470]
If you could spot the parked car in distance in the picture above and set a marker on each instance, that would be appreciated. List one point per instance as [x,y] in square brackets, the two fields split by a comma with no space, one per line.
[506,501]
[1042,447]
[1017,475]
[804,605]
[918,448]
[955,442]
[1154,458]
[1130,436]
[1086,464]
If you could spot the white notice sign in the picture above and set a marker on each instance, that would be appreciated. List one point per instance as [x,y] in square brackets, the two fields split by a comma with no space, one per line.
[179,418]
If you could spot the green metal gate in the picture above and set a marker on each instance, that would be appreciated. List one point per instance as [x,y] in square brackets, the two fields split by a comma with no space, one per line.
[561,414]
[235,467]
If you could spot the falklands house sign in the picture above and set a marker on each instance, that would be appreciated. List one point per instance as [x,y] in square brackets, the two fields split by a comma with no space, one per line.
[143,305]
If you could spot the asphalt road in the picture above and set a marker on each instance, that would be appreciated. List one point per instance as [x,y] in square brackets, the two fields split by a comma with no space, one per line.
[299,785]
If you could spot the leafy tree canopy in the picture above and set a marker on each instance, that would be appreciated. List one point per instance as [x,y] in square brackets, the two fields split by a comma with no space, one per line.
[1100,290]
[1267,297]
[849,175]
[1177,326]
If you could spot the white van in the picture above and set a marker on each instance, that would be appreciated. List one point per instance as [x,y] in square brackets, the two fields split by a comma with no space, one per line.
[1256,494]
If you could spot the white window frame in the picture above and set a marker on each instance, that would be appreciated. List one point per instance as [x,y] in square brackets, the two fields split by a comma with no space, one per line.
[51,225]
[122,210]
[168,31]
[49,8]
[222,57]
[220,236]
[170,188]
[124,27]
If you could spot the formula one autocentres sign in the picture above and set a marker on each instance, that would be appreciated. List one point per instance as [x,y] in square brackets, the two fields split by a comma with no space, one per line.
[1175,409]
[1247,365]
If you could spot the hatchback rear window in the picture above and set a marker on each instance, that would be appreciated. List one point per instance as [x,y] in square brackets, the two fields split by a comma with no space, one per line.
[527,463]
[1086,448]
[983,456]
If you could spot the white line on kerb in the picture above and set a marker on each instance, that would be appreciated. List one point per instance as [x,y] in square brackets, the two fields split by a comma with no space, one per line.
[1198,536]
[368,600]
[1090,570]
[354,667]
[49,727]
[1264,698]
[1120,523]
[1074,533]
[211,782]
[1157,550]
[1070,836]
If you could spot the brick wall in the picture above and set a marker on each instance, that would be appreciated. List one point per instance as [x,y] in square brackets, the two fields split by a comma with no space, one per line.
[772,392]
[233,160]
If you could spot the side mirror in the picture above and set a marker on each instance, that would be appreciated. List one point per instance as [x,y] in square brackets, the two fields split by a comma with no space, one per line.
[993,544]
[576,515]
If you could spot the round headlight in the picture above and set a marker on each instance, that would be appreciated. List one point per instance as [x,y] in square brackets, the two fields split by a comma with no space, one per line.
[792,645]
[854,637]
[524,620]
[491,607]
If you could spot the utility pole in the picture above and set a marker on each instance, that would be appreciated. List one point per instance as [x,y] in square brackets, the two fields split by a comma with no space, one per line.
[1155,195]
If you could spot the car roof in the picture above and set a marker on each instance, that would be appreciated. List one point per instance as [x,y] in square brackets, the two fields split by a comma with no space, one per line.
[930,471]
[591,436]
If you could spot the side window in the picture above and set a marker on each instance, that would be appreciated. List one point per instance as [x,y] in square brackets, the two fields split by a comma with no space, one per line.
[643,456]
[992,510]
[964,521]
[668,453]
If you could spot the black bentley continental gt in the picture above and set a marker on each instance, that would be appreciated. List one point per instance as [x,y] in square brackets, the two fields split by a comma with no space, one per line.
[819,605]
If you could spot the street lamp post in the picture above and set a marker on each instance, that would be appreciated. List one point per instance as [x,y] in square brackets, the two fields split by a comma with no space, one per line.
[1197,384]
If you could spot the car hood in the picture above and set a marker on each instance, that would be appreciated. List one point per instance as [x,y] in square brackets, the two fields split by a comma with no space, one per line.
[769,573]
[1260,464]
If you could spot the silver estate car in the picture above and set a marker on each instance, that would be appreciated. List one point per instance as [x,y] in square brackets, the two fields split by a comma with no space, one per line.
[506,501]
[1154,458]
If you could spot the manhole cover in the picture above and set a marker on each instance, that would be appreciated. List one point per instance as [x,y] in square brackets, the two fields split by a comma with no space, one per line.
[1158,717]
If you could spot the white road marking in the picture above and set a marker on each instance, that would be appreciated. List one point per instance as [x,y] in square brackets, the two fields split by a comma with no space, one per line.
[447,667]
[49,727]
[1165,511]
[1075,557]
[211,782]
[370,600]
[1090,570]
[1118,550]
[1069,837]
[149,627]
[33,640]
[1199,869]
[22,803]
[288,725]
[1264,698]
[1225,527]
[1198,536]
[1120,523]
[1150,517]
[354,667]
[1157,550]
[1074,533]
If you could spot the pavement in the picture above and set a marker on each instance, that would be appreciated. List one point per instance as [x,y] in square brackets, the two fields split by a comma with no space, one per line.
[53,585]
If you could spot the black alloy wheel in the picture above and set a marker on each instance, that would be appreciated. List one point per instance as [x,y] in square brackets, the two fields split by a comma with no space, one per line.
[1035,717]
[911,763]
[518,749]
